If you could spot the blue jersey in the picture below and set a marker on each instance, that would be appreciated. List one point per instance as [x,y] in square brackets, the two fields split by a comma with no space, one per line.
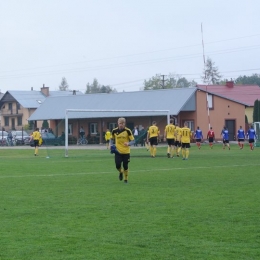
[198,134]
[241,134]
[225,134]
[251,133]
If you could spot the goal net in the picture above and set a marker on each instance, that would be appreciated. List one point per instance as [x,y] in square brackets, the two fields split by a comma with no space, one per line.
[107,119]
[257,131]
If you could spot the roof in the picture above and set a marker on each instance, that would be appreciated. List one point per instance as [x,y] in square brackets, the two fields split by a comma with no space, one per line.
[174,100]
[32,99]
[244,94]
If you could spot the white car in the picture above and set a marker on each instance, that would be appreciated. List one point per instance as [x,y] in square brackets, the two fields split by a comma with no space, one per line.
[21,137]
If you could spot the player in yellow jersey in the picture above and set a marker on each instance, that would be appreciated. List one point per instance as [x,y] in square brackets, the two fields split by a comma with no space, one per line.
[107,137]
[169,132]
[123,138]
[186,135]
[152,137]
[36,137]
[177,144]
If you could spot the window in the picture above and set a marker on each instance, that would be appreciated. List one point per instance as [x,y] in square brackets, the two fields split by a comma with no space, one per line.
[93,128]
[10,107]
[6,120]
[18,106]
[112,126]
[19,120]
[210,101]
[190,125]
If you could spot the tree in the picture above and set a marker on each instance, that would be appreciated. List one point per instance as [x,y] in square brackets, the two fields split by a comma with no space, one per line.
[64,85]
[210,73]
[245,80]
[95,87]
[256,112]
[171,81]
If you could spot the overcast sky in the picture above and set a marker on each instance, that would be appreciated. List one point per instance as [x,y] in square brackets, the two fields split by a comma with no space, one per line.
[121,43]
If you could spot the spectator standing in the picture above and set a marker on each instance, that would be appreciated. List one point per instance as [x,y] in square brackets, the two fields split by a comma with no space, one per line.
[81,132]
[135,134]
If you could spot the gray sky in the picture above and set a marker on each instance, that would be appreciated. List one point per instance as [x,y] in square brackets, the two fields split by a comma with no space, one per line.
[123,42]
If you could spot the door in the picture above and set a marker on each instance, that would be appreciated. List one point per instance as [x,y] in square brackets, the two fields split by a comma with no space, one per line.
[230,124]
[13,123]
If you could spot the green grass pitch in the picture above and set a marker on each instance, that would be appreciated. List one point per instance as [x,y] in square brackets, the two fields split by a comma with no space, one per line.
[76,208]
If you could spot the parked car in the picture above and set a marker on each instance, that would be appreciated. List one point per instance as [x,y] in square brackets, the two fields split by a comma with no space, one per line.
[50,139]
[21,137]
[3,137]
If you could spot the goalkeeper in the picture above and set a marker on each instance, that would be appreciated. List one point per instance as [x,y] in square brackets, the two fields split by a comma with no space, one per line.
[123,138]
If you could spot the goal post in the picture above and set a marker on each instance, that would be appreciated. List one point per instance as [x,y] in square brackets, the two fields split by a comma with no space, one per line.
[68,111]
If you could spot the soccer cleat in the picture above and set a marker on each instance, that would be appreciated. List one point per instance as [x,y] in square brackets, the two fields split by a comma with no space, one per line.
[125,181]
[183,158]
[120,176]
[178,155]
[168,155]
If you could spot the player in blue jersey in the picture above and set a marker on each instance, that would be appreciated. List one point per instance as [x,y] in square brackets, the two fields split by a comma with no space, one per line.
[241,137]
[225,136]
[251,137]
[198,136]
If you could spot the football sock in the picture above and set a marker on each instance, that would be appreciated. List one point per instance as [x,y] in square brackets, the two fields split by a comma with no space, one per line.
[187,153]
[154,151]
[36,150]
[183,153]
[179,149]
[126,174]
[168,149]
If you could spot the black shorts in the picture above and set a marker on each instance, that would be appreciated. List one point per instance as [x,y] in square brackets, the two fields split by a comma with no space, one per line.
[177,143]
[198,140]
[225,141]
[36,142]
[251,141]
[185,145]
[211,139]
[153,140]
[241,139]
[170,141]
[122,158]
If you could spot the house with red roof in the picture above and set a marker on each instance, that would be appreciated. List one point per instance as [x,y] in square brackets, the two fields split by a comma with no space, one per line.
[243,94]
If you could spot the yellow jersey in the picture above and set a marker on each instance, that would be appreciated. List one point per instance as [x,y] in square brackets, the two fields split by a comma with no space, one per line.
[120,137]
[185,135]
[170,131]
[153,131]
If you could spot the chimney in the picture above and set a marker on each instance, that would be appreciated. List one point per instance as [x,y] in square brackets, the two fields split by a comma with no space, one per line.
[45,91]
[74,92]
[230,84]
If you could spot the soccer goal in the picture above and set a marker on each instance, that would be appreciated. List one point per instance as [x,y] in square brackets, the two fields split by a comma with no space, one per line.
[96,113]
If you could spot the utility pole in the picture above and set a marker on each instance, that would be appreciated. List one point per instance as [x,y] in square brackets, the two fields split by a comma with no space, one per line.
[163,81]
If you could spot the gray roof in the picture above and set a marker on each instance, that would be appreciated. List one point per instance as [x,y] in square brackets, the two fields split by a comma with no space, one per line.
[33,99]
[174,100]
[28,99]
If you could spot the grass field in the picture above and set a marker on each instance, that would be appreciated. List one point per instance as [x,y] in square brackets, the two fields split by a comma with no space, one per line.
[76,208]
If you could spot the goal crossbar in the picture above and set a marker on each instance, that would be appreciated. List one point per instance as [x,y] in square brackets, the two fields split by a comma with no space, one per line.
[67,111]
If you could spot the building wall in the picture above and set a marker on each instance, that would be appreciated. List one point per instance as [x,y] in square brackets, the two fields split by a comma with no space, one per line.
[223,109]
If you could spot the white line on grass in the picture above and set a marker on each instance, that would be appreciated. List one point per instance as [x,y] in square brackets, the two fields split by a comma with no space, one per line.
[132,171]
